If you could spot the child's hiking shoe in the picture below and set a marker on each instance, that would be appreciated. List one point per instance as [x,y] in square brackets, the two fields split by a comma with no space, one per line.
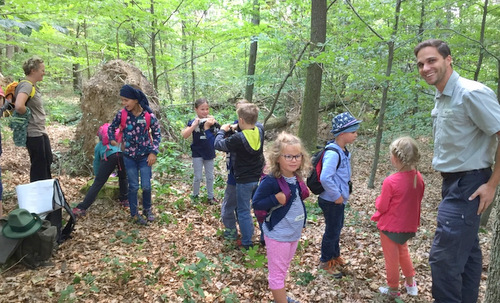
[290,300]
[331,268]
[79,212]
[138,219]
[213,201]
[148,213]
[386,291]
[124,203]
[412,290]
[241,246]
[341,261]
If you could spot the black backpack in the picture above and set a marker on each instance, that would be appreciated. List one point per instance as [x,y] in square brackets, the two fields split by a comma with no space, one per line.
[313,181]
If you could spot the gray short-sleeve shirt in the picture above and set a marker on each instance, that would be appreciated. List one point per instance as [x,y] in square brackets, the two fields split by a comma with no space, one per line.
[36,124]
[465,117]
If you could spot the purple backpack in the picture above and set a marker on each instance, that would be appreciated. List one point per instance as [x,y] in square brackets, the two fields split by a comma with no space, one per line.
[304,193]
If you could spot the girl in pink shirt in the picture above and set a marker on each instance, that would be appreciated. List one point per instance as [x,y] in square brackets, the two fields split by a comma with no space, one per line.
[398,214]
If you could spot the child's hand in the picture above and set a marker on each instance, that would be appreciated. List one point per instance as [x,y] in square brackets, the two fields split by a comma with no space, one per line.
[196,121]
[225,127]
[151,159]
[113,142]
[340,200]
[210,121]
[281,198]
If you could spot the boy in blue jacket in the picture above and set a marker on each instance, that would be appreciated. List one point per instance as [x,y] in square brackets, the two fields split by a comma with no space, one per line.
[337,185]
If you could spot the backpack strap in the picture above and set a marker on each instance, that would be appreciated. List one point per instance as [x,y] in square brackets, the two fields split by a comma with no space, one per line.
[33,90]
[147,116]
[284,187]
[123,120]
[304,190]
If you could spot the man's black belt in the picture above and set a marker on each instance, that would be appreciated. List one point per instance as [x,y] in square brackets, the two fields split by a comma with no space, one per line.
[463,173]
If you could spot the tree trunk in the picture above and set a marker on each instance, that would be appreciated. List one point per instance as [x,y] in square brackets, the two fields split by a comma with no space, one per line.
[252,58]
[481,41]
[383,105]
[492,290]
[184,49]
[308,127]
[193,75]
[153,46]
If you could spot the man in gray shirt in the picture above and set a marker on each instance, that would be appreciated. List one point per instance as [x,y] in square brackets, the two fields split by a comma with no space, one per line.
[466,125]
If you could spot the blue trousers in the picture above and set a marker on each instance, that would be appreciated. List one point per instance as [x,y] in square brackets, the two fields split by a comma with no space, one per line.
[455,257]
[334,221]
[245,220]
[134,167]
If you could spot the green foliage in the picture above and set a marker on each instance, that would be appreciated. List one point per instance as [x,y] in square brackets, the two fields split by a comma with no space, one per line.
[168,160]
[198,275]
[67,295]
[253,259]
[195,275]
[303,278]
[63,111]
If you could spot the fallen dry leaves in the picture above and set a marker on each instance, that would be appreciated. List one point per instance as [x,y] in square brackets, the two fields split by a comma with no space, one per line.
[111,260]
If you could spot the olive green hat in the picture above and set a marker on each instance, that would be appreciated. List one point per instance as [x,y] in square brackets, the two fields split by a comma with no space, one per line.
[20,224]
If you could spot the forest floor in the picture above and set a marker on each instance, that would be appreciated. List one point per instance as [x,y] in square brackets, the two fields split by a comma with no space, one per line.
[182,257]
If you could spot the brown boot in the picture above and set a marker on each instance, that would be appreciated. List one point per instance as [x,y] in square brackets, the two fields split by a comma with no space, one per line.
[341,261]
[331,268]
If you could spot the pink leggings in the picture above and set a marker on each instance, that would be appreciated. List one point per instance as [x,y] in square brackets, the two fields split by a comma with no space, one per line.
[395,255]
[279,257]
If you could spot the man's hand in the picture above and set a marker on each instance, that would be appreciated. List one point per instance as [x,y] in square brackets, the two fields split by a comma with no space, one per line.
[340,200]
[486,195]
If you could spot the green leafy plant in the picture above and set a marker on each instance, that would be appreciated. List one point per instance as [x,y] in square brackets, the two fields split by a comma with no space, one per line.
[67,295]
[304,278]
[195,275]
[253,259]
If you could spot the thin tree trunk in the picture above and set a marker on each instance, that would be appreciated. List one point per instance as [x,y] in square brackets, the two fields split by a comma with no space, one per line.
[153,46]
[252,58]
[283,83]
[193,75]
[492,290]
[184,49]
[309,116]
[481,41]
[383,105]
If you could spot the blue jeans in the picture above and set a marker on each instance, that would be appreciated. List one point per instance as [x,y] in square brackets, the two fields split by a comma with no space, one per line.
[245,220]
[334,221]
[455,257]
[134,167]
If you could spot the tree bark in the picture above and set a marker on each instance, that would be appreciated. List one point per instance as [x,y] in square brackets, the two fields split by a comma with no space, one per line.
[481,41]
[252,58]
[153,46]
[383,105]
[492,290]
[309,116]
